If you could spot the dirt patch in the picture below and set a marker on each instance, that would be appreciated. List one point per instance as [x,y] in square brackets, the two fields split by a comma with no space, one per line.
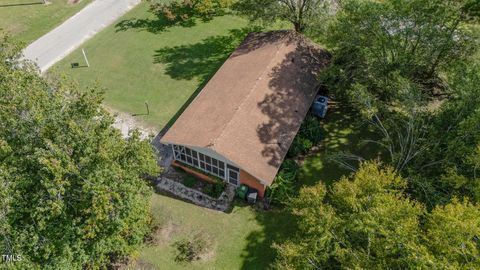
[165,233]
[73,2]
[209,254]
[126,122]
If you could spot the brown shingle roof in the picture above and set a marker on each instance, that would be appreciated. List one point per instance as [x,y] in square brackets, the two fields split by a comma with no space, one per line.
[252,108]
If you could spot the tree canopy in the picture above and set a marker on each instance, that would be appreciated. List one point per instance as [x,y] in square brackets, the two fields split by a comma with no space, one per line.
[378,44]
[185,11]
[71,193]
[368,222]
[302,14]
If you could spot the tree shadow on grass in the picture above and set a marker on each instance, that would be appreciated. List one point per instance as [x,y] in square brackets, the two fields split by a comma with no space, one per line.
[158,24]
[154,26]
[278,224]
[344,133]
[200,60]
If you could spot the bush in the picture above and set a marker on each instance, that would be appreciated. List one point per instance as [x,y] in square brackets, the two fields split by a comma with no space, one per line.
[283,187]
[189,250]
[218,188]
[309,135]
[208,189]
[296,148]
[189,181]
[311,129]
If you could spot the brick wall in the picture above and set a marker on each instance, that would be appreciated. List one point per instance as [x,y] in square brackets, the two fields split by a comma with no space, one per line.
[249,180]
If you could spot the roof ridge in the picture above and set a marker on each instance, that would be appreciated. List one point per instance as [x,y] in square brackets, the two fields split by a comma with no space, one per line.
[281,45]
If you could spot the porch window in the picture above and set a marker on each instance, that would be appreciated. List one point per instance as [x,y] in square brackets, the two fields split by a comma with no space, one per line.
[200,161]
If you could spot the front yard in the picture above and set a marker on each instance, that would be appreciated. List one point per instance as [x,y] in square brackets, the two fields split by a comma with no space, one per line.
[140,59]
[27,20]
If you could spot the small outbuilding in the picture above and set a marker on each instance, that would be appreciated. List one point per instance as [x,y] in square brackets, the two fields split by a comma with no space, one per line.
[241,125]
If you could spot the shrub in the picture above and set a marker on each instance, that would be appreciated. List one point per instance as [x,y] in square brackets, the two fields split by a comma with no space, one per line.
[208,189]
[218,188]
[310,134]
[189,250]
[283,188]
[311,129]
[306,145]
[189,181]
[296,148]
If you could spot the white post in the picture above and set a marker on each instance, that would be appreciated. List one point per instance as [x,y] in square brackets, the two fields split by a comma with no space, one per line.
[85,56]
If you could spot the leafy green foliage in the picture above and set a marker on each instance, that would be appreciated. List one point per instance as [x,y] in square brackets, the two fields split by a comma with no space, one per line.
[189,181]
[450,166]
[284,186]
[185,10]
[309,135]
[452,235]
[380,43]
[367,222]
[75,197]
[303,14]
[218,188]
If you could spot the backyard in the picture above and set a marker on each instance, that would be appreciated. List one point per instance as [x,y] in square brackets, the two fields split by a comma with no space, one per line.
[242,238]
[27,20]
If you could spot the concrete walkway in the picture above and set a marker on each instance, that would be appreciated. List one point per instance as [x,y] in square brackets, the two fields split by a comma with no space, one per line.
[61,41]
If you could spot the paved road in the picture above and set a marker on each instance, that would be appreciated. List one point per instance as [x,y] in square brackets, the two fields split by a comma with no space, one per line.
[62,40]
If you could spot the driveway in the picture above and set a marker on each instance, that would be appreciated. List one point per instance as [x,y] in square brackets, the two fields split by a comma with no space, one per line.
[61,41]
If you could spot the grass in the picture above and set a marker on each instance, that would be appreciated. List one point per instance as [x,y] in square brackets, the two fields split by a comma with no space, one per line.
[27,20]
[141,59]
[343,133]
[241,239]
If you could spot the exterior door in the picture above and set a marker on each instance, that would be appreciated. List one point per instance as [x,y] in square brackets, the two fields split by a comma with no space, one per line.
[233,175]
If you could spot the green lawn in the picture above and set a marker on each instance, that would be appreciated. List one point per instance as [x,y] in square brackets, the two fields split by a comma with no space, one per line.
[240,239]
[343,133]
[27,20]
[140,58]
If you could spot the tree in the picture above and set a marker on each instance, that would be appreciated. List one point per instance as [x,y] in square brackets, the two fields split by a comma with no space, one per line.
[451,165]
[379,43]
[367,222]
[186,10]
[72,194]
[303,14]
[451,234]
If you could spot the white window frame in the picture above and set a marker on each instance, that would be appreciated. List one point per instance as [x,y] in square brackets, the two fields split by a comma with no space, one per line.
[179,150]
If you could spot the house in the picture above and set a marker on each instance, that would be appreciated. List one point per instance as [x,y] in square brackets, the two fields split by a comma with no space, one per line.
[242,123]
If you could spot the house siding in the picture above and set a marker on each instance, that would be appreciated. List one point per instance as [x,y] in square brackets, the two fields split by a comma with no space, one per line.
[251,181]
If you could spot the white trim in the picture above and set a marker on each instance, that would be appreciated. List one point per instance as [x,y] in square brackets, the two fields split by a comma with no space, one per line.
[212,153]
